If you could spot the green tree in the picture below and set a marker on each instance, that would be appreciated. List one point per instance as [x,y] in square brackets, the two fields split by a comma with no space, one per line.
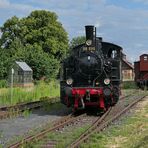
[10,31]
[77,41]
[4,61]
[39,39]
[43,64]
[44,29]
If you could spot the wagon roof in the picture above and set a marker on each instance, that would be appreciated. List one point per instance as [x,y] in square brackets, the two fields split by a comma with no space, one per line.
[144,55]
[23,66]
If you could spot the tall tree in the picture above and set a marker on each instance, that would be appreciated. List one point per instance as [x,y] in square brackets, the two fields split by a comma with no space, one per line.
[77,41]
[44,29]
[4,63]
[39,35]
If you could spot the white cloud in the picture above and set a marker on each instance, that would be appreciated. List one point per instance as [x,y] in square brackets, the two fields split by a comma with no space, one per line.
[4,3]
[9,9]
[126,27]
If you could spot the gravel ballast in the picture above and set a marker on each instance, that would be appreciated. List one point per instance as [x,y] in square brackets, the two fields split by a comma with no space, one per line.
[11,129]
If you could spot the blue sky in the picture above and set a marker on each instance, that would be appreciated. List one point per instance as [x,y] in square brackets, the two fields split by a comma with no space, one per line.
[123,22]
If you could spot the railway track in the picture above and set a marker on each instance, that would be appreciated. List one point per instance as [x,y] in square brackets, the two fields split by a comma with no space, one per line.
[101,125]
[98,124]
[65,121]
[57,125]
[15,110]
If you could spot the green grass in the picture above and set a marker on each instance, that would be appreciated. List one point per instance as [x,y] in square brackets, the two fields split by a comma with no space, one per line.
[128,91]
[132,132]
[26,113]
[63,138]
[129,85]
[3,83]
[41,89]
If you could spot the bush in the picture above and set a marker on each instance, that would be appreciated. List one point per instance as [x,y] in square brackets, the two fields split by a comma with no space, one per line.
[3,83]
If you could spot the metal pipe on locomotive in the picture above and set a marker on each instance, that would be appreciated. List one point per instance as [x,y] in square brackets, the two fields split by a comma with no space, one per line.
[91,75]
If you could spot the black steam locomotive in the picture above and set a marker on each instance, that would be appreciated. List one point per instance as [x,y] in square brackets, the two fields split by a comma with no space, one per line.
[91,75]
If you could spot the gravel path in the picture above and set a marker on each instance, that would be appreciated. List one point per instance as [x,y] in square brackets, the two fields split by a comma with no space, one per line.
[10,129]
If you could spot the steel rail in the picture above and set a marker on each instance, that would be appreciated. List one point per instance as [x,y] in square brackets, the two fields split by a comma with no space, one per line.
[13,110]
[61,123]
[90,129]
[24,105]
[100,127]
[119,114]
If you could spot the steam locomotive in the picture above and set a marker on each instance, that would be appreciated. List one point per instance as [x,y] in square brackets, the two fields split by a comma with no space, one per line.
[91,75]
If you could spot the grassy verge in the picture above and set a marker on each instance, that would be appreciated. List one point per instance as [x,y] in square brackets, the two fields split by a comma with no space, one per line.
[129,91]
[128,85]
[41,89]
[3,83]
[63,138]
[131,132]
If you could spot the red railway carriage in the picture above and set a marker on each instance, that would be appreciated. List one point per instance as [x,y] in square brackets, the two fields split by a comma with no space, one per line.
[141,71]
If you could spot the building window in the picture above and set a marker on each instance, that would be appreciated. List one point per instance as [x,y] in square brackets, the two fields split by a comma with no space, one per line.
[20,72]
[145,58]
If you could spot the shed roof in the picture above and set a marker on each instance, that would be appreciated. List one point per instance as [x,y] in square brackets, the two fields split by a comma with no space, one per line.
[128,63]
[23,66]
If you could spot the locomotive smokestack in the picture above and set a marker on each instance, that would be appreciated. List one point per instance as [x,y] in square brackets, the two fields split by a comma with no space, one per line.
[89,32]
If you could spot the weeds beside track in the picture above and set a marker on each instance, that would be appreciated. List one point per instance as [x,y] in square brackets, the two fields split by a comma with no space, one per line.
[60,130]
[16,110]
[101,125]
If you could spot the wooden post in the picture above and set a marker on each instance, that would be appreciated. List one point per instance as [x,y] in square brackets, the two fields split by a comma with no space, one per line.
[11,86]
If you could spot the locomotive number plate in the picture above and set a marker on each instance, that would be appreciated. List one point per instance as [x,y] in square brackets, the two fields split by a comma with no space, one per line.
[88,48]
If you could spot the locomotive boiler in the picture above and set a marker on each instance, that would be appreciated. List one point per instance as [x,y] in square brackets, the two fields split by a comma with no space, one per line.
[91,74]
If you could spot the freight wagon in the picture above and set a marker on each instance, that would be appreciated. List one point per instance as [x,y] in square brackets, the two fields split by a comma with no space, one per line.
[141,71]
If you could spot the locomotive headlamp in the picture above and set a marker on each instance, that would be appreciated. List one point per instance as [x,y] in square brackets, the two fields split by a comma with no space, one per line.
[97,83]
[69,81]
[106,81]
[88,42]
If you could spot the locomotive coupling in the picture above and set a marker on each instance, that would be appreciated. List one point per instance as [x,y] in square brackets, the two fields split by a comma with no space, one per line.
[88,95]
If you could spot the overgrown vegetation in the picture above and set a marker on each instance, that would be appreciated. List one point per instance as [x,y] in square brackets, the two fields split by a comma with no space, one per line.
[63,138]
[38,39]
[3,83]
[129,85]
[130,132]
[77,41]
[41,89]
[26,113]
